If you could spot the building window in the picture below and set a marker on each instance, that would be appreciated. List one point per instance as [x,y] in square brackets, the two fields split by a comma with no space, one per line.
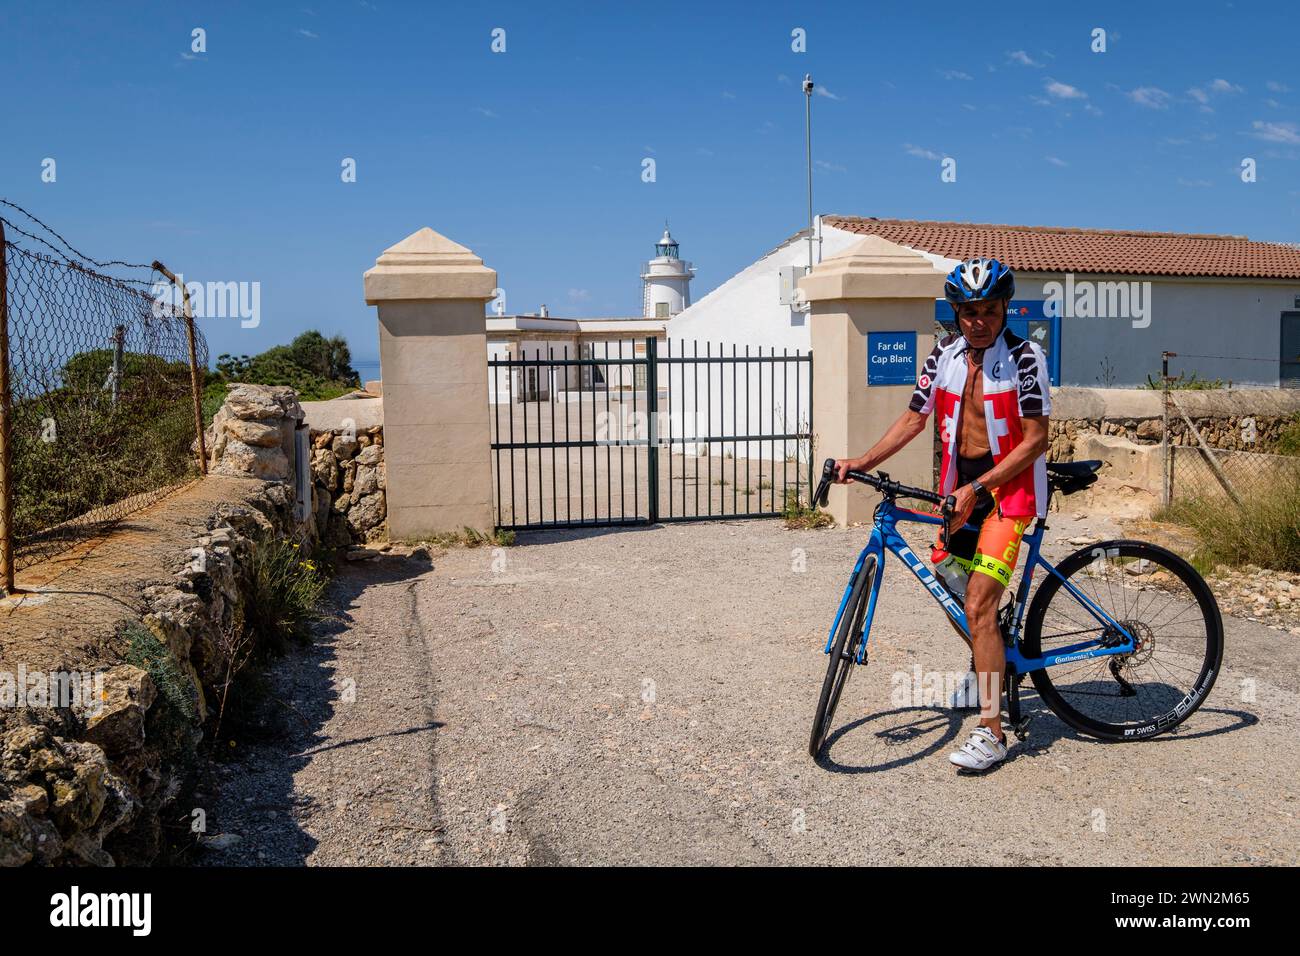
[661,310]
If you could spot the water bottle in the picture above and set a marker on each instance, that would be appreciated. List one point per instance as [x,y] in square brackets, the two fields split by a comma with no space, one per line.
[953,575]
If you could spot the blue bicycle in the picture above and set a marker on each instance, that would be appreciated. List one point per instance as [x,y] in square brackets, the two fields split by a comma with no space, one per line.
[1123,640]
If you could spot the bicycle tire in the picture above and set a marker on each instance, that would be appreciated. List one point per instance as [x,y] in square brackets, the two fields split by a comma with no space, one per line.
[843,655]
[1124,668]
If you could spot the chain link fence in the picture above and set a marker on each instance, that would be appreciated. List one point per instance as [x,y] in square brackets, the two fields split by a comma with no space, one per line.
[1244,504]
[98,394]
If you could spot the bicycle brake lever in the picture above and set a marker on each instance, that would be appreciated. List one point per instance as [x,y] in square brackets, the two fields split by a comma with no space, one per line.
[945,512]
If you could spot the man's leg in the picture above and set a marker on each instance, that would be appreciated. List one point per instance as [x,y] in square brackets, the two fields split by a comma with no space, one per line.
[983,595]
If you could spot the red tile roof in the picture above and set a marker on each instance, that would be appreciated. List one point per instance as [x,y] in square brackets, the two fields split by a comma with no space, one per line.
[1060,249]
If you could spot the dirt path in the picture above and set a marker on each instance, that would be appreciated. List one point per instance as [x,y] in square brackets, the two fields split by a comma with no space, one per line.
[644,696]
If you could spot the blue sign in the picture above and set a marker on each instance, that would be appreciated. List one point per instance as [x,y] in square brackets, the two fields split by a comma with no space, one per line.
[891,358]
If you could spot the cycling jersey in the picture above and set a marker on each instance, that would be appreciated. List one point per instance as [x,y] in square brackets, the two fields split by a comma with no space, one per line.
[1016,386]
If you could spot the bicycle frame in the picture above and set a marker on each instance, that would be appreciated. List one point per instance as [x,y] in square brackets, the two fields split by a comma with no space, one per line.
[885,536]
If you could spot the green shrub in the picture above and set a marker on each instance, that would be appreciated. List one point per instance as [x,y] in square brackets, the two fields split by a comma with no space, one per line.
[1288,442]
[172,720]
[1264,532]
[798,515]
[1184,380]
[286,590]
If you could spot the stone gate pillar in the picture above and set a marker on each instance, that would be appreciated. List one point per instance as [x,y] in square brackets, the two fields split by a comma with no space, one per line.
[433,356]
[872,326]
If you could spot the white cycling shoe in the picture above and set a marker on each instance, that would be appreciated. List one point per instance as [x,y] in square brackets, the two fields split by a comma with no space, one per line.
[966,696]
[980,752]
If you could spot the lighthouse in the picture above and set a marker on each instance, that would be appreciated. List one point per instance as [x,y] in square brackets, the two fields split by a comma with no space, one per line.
[666,281]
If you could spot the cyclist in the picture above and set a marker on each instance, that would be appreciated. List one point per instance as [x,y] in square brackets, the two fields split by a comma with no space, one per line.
[989,389]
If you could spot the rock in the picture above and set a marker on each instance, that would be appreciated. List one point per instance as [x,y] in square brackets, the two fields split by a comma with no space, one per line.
[324,468]
[361,554]
[79,797]
[262,434]
[243,460]
[369,512]
[1083,539]
[370,455]
[253,402]
[366,481]
[17,836]
[219,841]
[116,723]
[345,447]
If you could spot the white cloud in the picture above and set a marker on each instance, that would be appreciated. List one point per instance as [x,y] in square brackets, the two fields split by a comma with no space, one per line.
[579,295]
[1152,97]
[308,34]
[1273,86]
[1064,91]
[728,95]
[1223,86]
[829,167]
[1056,161]
[1276,132]
[1023,58]
[485,111]
[822,91]
[954,75]
[920,151]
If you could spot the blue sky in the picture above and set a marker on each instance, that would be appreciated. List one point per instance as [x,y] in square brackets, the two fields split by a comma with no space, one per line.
[226,165]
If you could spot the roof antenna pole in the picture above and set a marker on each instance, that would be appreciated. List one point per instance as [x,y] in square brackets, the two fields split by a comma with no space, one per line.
[807,123]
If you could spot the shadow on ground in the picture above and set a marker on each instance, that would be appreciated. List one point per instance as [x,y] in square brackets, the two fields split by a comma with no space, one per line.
[256,813]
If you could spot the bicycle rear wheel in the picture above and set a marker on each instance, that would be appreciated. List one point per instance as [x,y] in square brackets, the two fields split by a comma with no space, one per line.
[843,655]
[1168,608]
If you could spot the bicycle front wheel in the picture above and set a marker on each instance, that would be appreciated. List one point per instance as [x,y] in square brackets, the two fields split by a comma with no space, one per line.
[844,654]
[1168,608]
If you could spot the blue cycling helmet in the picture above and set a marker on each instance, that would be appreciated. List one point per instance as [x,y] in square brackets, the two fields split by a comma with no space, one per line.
[978,279]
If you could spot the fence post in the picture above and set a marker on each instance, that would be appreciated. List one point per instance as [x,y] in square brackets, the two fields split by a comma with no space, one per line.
[430,293]
[1166,461]
[195,387]
[652,417]
[6,423]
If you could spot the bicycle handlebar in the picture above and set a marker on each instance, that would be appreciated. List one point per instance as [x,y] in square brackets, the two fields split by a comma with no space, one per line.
[887,487]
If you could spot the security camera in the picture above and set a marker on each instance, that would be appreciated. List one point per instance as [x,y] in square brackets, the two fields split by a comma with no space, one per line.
[807,84]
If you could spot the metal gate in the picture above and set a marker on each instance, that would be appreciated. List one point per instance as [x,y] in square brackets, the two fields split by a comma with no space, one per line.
[626,432]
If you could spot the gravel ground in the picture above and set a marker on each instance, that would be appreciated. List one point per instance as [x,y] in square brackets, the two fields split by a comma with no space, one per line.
[644,696]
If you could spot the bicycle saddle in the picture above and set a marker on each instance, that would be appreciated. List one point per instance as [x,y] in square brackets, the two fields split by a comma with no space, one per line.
[1073,469]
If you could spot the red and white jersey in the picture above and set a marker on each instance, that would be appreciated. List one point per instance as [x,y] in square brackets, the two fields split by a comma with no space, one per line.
[1016,386]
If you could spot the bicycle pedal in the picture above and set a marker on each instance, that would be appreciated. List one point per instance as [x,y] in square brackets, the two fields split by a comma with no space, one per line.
[1021,730]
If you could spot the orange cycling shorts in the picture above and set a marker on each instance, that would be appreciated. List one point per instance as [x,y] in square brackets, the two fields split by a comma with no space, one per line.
[993,549]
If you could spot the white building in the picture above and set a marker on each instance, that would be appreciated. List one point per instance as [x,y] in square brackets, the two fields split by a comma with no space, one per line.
[666,281]
[1104,305]
[666,291]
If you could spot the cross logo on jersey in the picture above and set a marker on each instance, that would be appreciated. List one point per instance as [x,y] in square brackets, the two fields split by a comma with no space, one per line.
[997,427]
[945,434]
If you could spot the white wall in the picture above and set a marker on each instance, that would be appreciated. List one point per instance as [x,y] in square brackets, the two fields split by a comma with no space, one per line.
[1237,323]
[746,311]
